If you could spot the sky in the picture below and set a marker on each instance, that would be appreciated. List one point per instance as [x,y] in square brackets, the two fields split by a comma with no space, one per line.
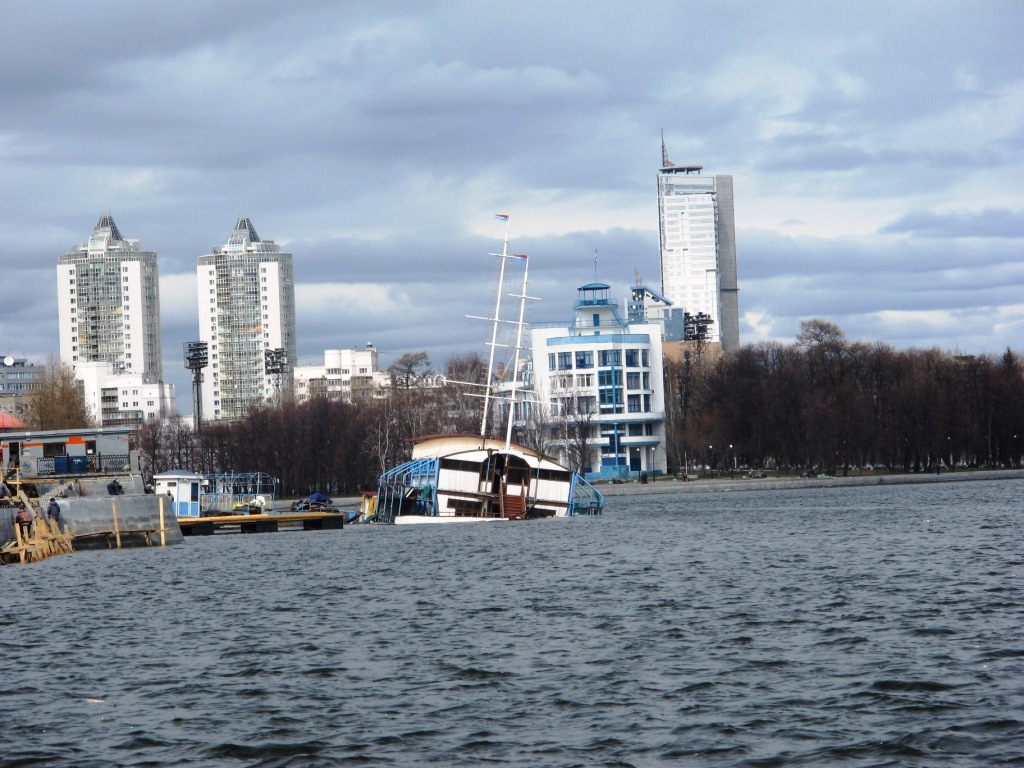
[876,150]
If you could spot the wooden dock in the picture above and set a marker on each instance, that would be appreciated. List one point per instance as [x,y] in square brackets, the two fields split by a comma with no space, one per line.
[261,523]
[44,538]
[48,537]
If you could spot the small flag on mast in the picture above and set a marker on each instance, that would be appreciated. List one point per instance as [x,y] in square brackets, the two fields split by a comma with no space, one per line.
[520,256]
[502,216]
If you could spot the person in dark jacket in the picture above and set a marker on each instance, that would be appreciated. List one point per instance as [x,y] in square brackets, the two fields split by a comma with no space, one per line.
[53,510]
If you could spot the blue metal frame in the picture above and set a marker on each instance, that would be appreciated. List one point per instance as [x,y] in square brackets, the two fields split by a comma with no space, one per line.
[584,499]
[396,482]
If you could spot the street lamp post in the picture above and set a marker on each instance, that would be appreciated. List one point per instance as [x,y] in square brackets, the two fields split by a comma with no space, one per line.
[275,362]
[196,358]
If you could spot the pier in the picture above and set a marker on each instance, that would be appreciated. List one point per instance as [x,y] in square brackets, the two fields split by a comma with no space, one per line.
[45,537]
[261,523]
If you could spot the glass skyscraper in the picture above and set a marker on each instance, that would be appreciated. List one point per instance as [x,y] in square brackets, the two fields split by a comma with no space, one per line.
[697,231]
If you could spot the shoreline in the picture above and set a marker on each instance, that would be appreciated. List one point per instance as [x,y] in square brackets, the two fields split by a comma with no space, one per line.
[672,485]
[794,483]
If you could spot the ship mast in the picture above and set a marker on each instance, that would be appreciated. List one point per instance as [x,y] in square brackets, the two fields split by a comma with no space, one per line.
[494,326]
[519,345]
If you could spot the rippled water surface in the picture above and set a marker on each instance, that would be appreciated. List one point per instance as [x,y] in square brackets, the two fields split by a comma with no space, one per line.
[852,626]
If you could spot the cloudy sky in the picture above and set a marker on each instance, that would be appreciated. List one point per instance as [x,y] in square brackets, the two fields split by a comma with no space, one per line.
[877,152]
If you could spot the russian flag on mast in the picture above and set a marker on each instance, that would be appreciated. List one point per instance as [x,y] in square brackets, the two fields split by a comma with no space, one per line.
[502,216]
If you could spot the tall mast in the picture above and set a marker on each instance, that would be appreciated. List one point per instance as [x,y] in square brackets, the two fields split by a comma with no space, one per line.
[519,344]
[494,325]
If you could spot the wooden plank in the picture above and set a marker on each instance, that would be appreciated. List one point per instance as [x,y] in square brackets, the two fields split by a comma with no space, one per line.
[163,525]
[117,533]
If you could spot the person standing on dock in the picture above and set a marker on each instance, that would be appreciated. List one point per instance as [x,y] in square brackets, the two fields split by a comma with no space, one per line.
[53,510]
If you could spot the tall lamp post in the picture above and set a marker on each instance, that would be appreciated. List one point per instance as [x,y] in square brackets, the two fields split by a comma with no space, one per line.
[197,358]
[275,361]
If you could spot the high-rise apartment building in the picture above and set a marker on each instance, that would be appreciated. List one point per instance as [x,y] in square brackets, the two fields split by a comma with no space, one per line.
[246,292]
[108,303]
[108,292]
[697,231]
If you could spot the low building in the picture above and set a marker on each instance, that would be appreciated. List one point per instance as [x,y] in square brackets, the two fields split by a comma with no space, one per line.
[121,399]
[18,378]
[350,375]
[597,389]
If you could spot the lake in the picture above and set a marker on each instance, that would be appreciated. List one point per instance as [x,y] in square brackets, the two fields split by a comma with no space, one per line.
[872,626]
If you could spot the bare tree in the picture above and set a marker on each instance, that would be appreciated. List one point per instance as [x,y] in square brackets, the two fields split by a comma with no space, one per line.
[410,370]
[535,434]
[462,374]
[149,438]
[57,400]
[382,440]
[575,427]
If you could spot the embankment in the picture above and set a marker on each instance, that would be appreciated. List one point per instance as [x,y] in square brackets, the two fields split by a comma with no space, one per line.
[705,485]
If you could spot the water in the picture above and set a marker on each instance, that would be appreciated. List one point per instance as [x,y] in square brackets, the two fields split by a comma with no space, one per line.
[873,626]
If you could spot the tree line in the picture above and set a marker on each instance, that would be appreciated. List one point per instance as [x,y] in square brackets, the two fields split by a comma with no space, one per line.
[820,402]
[831,404]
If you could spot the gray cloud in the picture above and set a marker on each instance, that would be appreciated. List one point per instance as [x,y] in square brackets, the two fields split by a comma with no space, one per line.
[989,223]
[875,150]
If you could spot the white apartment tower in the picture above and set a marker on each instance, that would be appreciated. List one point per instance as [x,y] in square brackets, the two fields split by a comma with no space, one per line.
[697,231]
[108,293]
[108,303]
[246,293]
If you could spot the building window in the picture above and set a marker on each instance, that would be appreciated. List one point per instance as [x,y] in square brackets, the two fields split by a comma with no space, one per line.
[611,357]
[585,359]
[551,361]
[565,361]
[632,358]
